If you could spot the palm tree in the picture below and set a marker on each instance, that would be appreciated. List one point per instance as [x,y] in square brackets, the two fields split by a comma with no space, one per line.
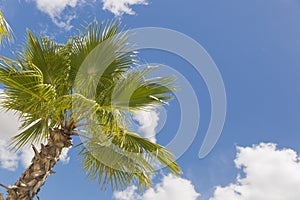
[5,30]
[85,88]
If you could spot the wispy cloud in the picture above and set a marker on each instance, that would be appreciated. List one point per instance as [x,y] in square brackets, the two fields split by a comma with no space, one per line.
[269,173]
[169,188]
[120,7]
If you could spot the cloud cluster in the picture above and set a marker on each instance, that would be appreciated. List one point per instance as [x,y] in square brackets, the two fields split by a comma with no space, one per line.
[9,159]
[56,9]
[169,188]
[62,12]
[120,7]
[269,173]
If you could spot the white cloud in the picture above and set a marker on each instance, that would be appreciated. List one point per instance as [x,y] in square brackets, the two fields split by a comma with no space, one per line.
[169,188]
[8,159]
[148,122]
[62,12]
[9,124]
[65,23]
[120,7]
[128,194]
[270,173]
[26,156]
[56,9]
[64,158]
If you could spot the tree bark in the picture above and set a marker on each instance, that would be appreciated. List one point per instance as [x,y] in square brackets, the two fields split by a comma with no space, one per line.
[41,167]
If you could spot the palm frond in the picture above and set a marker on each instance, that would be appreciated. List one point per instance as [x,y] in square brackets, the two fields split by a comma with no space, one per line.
[135,91]
[110,165]
[102,49]
[33,133]
[24,88]
[124,159]
[26,93]
[50,58]
[133,142]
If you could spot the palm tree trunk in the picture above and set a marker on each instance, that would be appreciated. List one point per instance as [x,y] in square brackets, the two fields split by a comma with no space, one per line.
[41,167]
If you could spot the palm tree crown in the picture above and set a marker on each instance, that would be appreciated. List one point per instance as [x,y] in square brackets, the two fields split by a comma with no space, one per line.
[88,87]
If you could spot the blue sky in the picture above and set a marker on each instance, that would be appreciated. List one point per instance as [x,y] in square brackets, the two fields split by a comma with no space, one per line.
[255,45]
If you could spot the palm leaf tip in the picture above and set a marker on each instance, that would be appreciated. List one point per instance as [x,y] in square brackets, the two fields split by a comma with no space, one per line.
[5,30]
